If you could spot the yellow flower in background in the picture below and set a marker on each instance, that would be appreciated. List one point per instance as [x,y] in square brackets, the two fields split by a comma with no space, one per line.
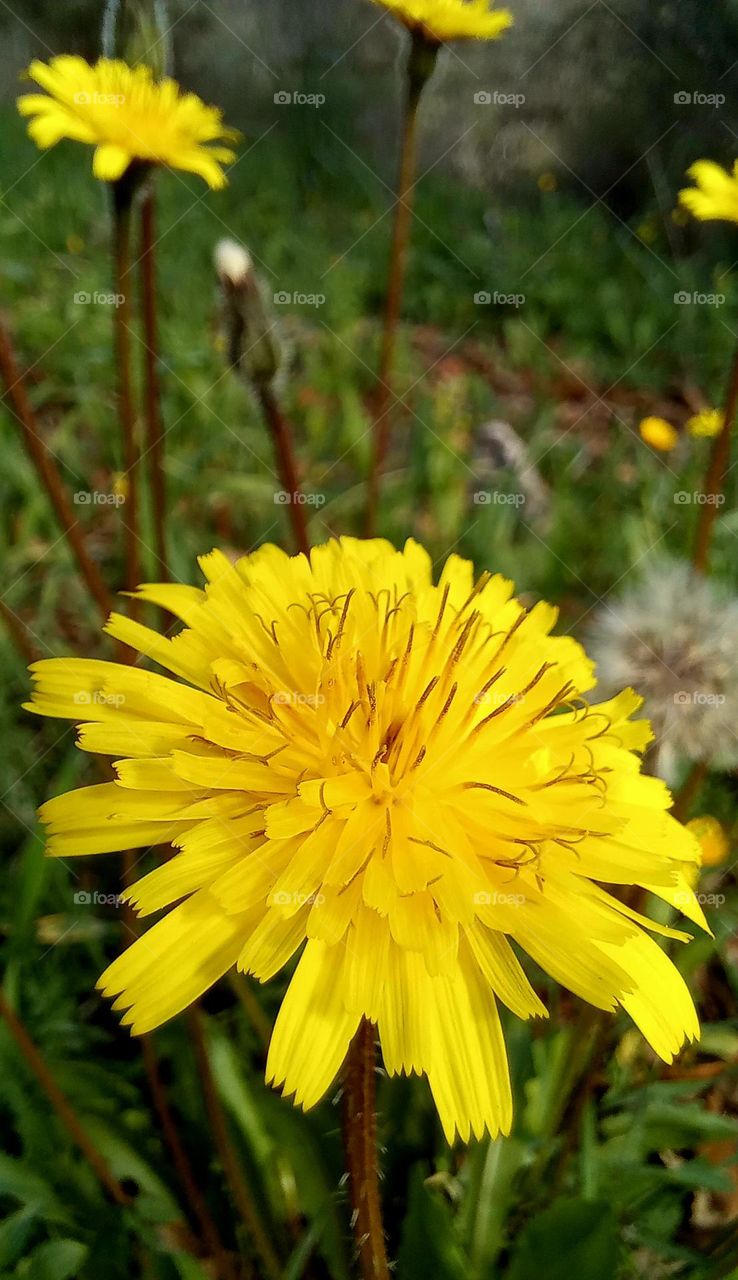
[441,20]
[387,781]
[712,840]
[659,433]
[127,116]
[548,182]
[715,194]
[709,422]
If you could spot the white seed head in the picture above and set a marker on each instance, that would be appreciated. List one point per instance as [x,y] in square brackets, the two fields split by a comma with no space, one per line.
[232,261]
[674,638]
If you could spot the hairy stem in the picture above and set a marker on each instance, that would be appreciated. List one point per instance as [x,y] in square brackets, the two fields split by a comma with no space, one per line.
[49,474]
[715,476]
[154,430]
[122,204]
[61,1105]
[419,69]
[360,1145]
[284,450]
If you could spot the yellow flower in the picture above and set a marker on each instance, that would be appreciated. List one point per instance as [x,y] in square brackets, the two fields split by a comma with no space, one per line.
[709,422]
[548,182]
[716,192]
[393,780]
[712,840]
[441,20]
[659,433]
[127,116]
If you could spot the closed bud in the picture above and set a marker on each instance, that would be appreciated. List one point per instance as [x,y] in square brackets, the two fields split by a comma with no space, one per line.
[253,348]
[138,31]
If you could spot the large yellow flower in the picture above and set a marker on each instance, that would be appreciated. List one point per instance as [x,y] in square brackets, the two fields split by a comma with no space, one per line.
[389,782]
[127,116]
[441,20]
[715,195]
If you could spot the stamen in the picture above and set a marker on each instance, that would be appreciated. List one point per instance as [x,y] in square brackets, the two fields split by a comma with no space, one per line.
[344,615]
[441,610]
[430,845]
[354,707]
[427,691]
[487,786]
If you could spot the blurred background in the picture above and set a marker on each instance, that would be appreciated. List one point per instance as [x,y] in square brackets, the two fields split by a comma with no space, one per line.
[556,297]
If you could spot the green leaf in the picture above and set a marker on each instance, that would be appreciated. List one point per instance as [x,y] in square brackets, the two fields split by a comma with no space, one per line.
[55,1260]
[492,1168]
[572,1238]
[14,1232]
[428,1245]
[27,1186]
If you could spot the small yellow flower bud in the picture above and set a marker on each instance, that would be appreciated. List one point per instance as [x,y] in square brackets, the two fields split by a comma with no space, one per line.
[709,422]
[712,839]
[659,434]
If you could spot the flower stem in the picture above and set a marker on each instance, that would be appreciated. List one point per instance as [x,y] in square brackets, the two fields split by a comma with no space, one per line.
[284,449]
[360,1145]
[19,634]
[122,205]
[49,474]
[715,476]
[61,1105]
[154,431]
[685,798]
[271,1268]
[420,66]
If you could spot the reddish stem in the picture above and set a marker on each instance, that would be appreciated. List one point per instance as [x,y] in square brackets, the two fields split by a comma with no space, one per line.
[716,473]
[61,1105]
[360,1145]
[154,429]
[420,67]
[48,473]
[284,449]
[122,203]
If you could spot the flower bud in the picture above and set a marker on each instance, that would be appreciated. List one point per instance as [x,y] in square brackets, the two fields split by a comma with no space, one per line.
[253,348]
